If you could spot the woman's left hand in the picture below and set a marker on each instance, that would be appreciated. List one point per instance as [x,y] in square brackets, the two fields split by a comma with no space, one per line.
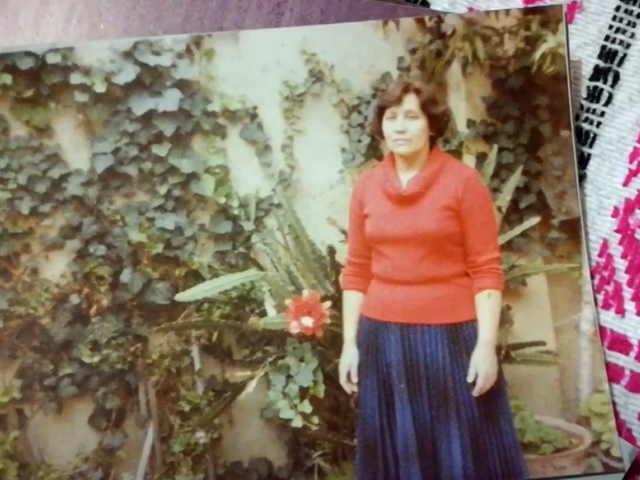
[483,369]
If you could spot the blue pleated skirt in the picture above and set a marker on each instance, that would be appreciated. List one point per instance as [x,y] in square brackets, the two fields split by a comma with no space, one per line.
[417,419]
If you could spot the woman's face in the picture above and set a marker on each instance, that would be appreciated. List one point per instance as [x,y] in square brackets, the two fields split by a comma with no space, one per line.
[405,127]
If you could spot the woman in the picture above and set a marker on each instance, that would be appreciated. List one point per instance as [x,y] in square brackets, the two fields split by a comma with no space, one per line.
[422,294]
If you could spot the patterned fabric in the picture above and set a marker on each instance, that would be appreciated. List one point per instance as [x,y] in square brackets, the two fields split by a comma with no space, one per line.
[605,62]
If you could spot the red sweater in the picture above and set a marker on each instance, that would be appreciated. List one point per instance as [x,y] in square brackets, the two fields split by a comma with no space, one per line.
[420,254]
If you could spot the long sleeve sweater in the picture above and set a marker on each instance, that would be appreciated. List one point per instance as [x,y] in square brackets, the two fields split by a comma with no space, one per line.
[421,253]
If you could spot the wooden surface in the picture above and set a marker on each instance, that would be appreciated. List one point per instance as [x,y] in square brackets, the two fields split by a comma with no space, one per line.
[29,22]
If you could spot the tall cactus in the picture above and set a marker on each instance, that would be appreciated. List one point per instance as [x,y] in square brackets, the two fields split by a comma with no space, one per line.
[290,258]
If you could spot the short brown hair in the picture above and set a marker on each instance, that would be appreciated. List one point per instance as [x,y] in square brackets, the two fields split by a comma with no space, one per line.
[438,115]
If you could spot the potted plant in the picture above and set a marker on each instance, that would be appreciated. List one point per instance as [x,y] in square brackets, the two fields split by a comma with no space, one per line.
[552,447]
[597,415]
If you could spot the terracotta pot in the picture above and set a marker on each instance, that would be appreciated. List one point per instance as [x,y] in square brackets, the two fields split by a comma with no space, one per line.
[610,464]
[570,462]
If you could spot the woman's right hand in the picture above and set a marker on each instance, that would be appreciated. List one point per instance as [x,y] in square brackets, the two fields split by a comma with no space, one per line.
[348,368]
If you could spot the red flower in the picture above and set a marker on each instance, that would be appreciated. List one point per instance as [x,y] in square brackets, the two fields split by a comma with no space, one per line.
[307,314]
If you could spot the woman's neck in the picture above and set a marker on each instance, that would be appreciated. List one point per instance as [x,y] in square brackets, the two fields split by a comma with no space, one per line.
[410,164]
[406,188]
[407,166]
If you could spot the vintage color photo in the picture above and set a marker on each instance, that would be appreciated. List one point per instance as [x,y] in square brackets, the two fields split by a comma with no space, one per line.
[344,252]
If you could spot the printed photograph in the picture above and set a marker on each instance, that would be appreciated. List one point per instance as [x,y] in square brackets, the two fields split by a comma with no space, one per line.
[349,251]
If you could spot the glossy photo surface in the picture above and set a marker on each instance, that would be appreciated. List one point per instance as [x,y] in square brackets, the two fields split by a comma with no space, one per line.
[183,220]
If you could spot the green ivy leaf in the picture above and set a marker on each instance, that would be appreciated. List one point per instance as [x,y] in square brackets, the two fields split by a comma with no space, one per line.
[99,84]
[125,73]
[292,389]
[131,170]
[305,407]
[297,421]
[167,101]
[319,387]
[287,413]
[185,69]
[25,61]
[79,78]
[277,380]
[253,133]
[205,186]
[167,221]
[161,149]
[24,205]
[187,161]
[135,281]
[81,97]
[152,53]
[54,57]
[136,236]
[6,79]
[103,162]
[166,124]
[305,376]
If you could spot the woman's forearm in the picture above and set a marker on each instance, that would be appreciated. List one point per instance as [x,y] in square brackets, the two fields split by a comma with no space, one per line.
[352,301]
[488,308]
